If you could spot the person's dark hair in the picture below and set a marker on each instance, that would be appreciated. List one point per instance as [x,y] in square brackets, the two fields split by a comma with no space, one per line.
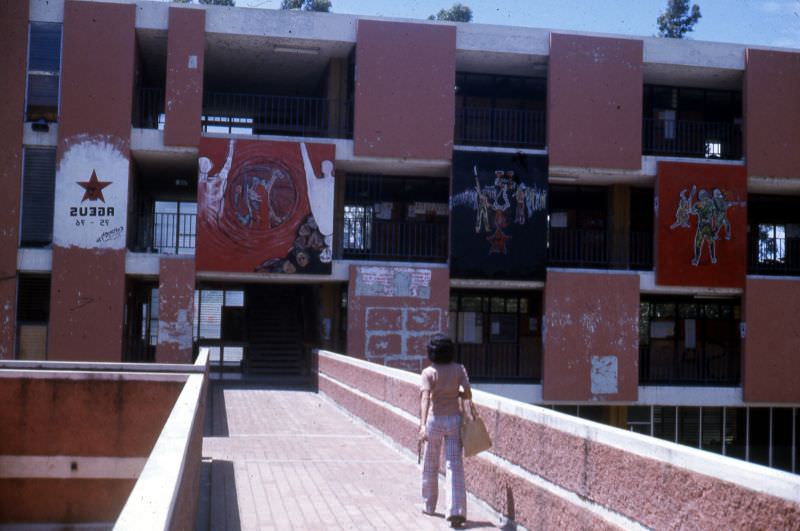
[441,349]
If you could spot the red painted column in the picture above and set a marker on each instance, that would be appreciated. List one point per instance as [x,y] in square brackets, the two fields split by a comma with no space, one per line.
[594,102]
[405,90]
[184,93]
[175,309]
[591,337]
[772,113]
[772,340]
[13,62]
[392,312]
[92,171]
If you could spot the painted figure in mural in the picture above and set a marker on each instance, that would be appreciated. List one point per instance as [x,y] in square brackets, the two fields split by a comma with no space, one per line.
[215,184]
[705,211]
[519,195]
[482,214]
[721,205]
[320,197]
[684,208]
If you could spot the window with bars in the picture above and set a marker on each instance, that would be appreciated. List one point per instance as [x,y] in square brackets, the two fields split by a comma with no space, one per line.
[44,71]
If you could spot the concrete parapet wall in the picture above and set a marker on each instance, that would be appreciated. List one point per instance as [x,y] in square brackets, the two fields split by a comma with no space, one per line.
[76,436]
[549,470]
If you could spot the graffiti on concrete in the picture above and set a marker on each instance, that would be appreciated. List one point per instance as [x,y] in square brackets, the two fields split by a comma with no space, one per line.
[393,282]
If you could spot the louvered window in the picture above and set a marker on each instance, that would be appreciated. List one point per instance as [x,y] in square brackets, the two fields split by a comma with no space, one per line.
[44,69]
[38,185]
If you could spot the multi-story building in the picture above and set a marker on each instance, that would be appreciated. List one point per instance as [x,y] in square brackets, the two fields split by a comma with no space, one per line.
[606,225]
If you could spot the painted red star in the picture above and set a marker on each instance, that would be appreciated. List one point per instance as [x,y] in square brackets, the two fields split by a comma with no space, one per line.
[498,241]
[94,188]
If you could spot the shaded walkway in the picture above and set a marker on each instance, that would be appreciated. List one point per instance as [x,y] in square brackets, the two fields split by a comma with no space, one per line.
[289,459]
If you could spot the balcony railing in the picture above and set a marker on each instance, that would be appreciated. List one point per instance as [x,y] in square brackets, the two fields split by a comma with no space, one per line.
[713,365]
[374,239]
[166,233]
[774,256]
[501,361]
[278,115]
[149,109]
[489,126]
[597,248]
[684,138]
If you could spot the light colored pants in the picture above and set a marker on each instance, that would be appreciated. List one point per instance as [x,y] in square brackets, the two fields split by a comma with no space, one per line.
[447,428]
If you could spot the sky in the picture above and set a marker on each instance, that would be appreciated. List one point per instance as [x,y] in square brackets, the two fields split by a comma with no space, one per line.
[759,22]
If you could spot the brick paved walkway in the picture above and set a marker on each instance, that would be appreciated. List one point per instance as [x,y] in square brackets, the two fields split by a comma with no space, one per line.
[286,459]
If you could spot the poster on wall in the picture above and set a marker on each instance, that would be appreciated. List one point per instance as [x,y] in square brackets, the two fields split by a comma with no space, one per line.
[91,194]
[702,225]
[265,207]
[499,206]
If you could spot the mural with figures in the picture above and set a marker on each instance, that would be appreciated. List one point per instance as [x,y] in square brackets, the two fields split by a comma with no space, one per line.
[702,225]
[265,207]
[498,215]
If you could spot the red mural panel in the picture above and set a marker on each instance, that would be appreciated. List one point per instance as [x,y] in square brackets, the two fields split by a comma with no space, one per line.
[404,94]
[184,95]
[772,113]
[265,206]
[772,340]
[175,309]
[87,302]
[13,61]
[591,339]
[594,110]
[702,225]
[392,312]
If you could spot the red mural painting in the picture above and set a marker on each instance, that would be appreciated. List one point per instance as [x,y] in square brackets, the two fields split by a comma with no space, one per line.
[265,206]
[702,225]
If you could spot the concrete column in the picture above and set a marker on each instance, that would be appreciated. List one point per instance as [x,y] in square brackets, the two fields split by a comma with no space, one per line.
[336,93]
[619,200]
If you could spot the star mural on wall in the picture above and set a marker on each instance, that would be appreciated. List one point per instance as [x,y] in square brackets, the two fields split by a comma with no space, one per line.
[499,242]
[94,188]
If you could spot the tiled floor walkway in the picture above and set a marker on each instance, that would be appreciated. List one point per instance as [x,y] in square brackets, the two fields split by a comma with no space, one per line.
[289,459]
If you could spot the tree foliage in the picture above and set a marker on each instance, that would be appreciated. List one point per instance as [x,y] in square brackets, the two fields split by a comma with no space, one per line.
[458,13]
[219,2]
[678,19]
[322,6]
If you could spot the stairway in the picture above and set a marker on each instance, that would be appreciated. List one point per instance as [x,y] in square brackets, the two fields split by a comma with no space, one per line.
[275,334]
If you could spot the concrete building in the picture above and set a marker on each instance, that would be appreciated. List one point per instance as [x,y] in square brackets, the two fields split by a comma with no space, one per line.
[606,225]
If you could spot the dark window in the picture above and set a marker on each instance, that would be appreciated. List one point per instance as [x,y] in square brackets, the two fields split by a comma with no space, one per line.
[712,429]
[44,68]
[689,426]
[498,337]
[33,314]
[38,185]
[689,341]
[759,435]
[782,438]
[395,218]
[735,432]
[664,422]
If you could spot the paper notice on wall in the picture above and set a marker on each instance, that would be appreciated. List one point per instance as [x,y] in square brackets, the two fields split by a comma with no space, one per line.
[393,282]
[558,220]
[495,328]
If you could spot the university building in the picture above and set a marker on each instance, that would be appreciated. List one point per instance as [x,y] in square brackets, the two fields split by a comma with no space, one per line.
[607,225]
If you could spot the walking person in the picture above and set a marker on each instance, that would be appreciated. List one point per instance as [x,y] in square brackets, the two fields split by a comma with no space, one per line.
[440,420]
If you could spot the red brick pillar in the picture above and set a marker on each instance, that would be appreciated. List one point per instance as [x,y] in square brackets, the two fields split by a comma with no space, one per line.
[13,61]
[175,310]
[184,92]
[93,165]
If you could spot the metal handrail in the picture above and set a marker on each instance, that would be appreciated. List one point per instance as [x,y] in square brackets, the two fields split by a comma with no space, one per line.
[369,238]
[495,126]
[689,138]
